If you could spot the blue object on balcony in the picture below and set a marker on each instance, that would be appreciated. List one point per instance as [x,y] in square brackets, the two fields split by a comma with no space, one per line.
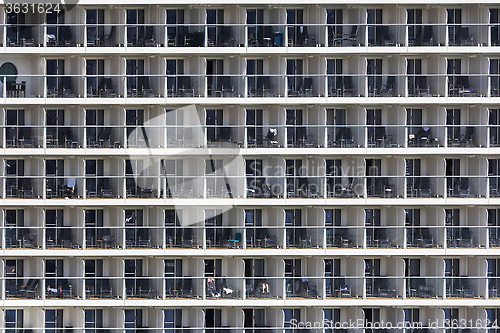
[277,38]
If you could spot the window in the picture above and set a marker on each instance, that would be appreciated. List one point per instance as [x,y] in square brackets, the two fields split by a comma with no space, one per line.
[253,167]
[334,177]
[374,19]
[93,320]
[177,134]
[411,316]
[133,270]
[215,70]
[95,26]
[54,320]
[216,185]
[133,320]
[174,231]
[9,71]
[55,232]
[255,129]
[213,267]
[494,122]
[172,318]
[288,316]
[55,68]
[93,226]
[253,225]
[135,75]
[135,233]
[175,16]
[414,21]
[173,170]
[452,167]
[454,69]
[333,217]
[95,73]
[293,217]
[294,18]
[334,19]
[416,82]
[295,78]
[53,272]
[175,67]
[215,18]
[14,273]
[13,320]
[135,26]
[454,20]
[214,122]
[93,286]
[256,33]
[14,231]
[335,78]
[213,224]
[15,130]
[135,129]
[495,31]
[374,71]
[213,318]
[95,182]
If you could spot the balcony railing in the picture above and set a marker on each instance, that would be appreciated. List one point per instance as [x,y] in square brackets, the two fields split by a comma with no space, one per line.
[397,236]
[249,187]
[251,35]
[241,288]
[307,85]
[258,136]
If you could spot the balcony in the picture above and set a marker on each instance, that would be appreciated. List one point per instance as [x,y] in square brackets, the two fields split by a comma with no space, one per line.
[181,237]
[237,238]
[383,287]
[303,287]
[22,35]
[144,86]
[58,237]
[424,287]
[263,288]
[344,237]
[384,237]
[63,35]
[63,187]
[224,86]
[315,85]
[60,288]
[102,237]
[342,287]
[252,35]
[249,187]
[100,35]
[102,187]
[100,287]
[22,288]
[466,187]
[60,137]
[424,237]
[183,287]
[22,237]
[141,287]
[23,136]
[464,287]
[253,288]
